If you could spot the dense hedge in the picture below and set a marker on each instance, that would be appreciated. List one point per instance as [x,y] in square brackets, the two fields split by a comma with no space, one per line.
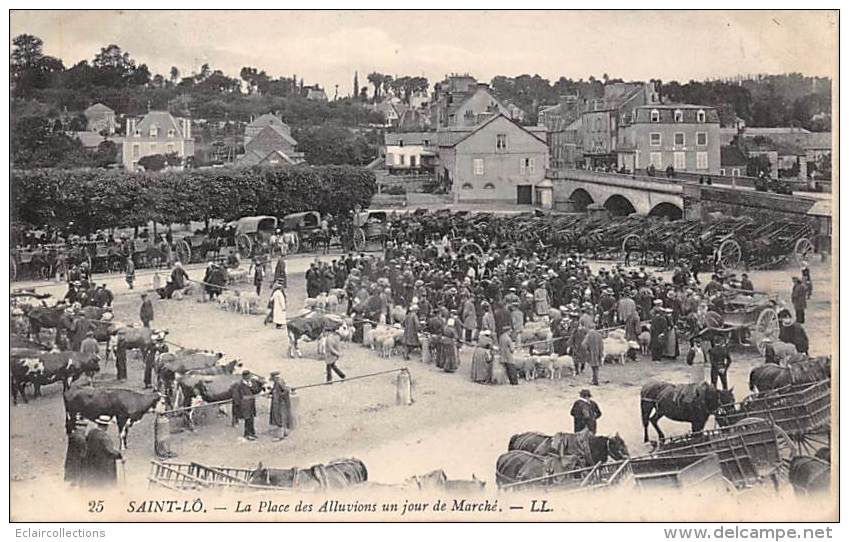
[97,199]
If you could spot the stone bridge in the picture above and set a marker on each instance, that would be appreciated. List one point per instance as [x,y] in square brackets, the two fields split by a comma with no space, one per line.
[620,194]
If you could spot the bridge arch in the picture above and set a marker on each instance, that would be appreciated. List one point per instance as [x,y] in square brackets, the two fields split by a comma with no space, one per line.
[580,198]
[619,205]
[667,210]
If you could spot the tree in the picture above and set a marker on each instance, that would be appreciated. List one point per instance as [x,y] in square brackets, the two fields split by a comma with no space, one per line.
[29,68]
[376,80]
[174,75]
[332,144]
[153,162]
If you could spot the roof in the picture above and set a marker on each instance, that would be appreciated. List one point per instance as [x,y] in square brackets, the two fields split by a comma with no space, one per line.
[254,158]
[273,134]
[667,113]
[162,119]
[98,108]
[732,156]
[821,207]
[489,121]
[276,124]
[91,140]
[251,224]
[409,138]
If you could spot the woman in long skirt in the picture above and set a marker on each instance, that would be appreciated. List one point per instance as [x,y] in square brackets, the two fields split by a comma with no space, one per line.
[450,356]
[482,359]
[670,347]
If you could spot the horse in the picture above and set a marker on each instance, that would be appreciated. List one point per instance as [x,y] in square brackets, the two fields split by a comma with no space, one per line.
[693,403]
[438,480]
[48,317]
[338,474]
[770,376]
[809,475]
[521,466]
[600,448]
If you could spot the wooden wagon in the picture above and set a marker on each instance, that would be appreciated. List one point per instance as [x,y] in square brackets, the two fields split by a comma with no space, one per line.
[802,411]
[188,477]
[749,451]
[647,472]
[748,318]
[370,227]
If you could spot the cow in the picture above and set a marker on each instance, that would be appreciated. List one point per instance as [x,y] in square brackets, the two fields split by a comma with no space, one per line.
[170,364]
[127,406]
[147,341]
[41,368]
[17,342]
[215,388]
[310,326]
[48,318]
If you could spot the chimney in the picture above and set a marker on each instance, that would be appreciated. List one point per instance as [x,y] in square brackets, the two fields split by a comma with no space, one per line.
[129,125]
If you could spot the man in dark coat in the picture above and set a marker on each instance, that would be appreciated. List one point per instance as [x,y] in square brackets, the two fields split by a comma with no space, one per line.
[247,404]
[585,412]
[659,327]
[280,413]
[99,464]
[410,338]
[75,456]
[720,361]
[792,332]
[146,311]
[280,271]
[799,297]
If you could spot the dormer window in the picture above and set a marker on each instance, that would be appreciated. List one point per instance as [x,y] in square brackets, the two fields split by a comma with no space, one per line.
[171,133]
[137,133]
[655,115]
[700,116]
[679,116]
[154,131]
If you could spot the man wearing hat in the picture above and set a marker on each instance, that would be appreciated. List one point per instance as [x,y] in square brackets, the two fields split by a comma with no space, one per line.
[243,399]
[799,297]
[720,361]
[659,327]
[75,455]
[280,413]
[100,456]
[410,339]
[89,344]
[334,352]
[746,283]
[585,412]
[72,294]
[792,332]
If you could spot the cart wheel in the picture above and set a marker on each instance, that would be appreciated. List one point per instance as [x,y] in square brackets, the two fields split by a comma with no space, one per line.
[13,269]
[359,239]
[766,327]
[296,242]
[809,443]
[184,252]
[471,248]
[729,254]
[631,243]
[803,249]
[244,245]
[786,451]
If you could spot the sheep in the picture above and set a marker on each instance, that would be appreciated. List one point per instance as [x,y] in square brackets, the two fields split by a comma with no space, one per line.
[644,340]
[615,347]
[237,275]
[561,365]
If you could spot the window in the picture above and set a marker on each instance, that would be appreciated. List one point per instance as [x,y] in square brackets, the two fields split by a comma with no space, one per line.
[489,186]
[426,143]
[171,133]
[700,116]
[701,139]
[701,160]
[656,159]
[722,171]
[531,165]
[170,148]
[154,131]
[654,139]
[679,116]
[136,150]
[735,172]
[680,161]
[478,165]
[403,160]
[679,139]
[655,115]
[137,133]
[598,125]
[400,142]
[467,186]
[413,161]
[523,165]
[501,142]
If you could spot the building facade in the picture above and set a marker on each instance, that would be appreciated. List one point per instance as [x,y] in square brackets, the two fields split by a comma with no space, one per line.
[410,152]
[498,160]
[156,133]
[683,136]
[100,118]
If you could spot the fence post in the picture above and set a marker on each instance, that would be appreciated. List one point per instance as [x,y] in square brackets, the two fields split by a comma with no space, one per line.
[403,388]
[294,409]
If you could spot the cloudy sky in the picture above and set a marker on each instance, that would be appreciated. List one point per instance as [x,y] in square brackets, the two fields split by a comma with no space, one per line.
[326,47]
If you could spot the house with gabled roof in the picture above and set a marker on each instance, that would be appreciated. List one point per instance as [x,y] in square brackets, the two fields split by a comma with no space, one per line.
[100,118]
[158,132]
[496,160]
[268,140]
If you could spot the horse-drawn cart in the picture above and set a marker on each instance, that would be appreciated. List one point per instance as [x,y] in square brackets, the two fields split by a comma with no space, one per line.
[370,227]
[802,411]
[749,451]
[749,317]
[253,234]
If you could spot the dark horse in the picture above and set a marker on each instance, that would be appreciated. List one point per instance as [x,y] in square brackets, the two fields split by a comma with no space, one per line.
[600,448]
[693,403]
[770,376]
[809,475]
[338,474]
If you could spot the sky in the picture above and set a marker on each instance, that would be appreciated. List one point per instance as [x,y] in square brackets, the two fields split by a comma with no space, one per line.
[327,47]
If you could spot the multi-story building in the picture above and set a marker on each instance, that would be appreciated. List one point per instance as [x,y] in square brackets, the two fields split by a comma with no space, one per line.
[683,136]
[601,119]
[461,101]
[410,152]
[156,133]
[497,160]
